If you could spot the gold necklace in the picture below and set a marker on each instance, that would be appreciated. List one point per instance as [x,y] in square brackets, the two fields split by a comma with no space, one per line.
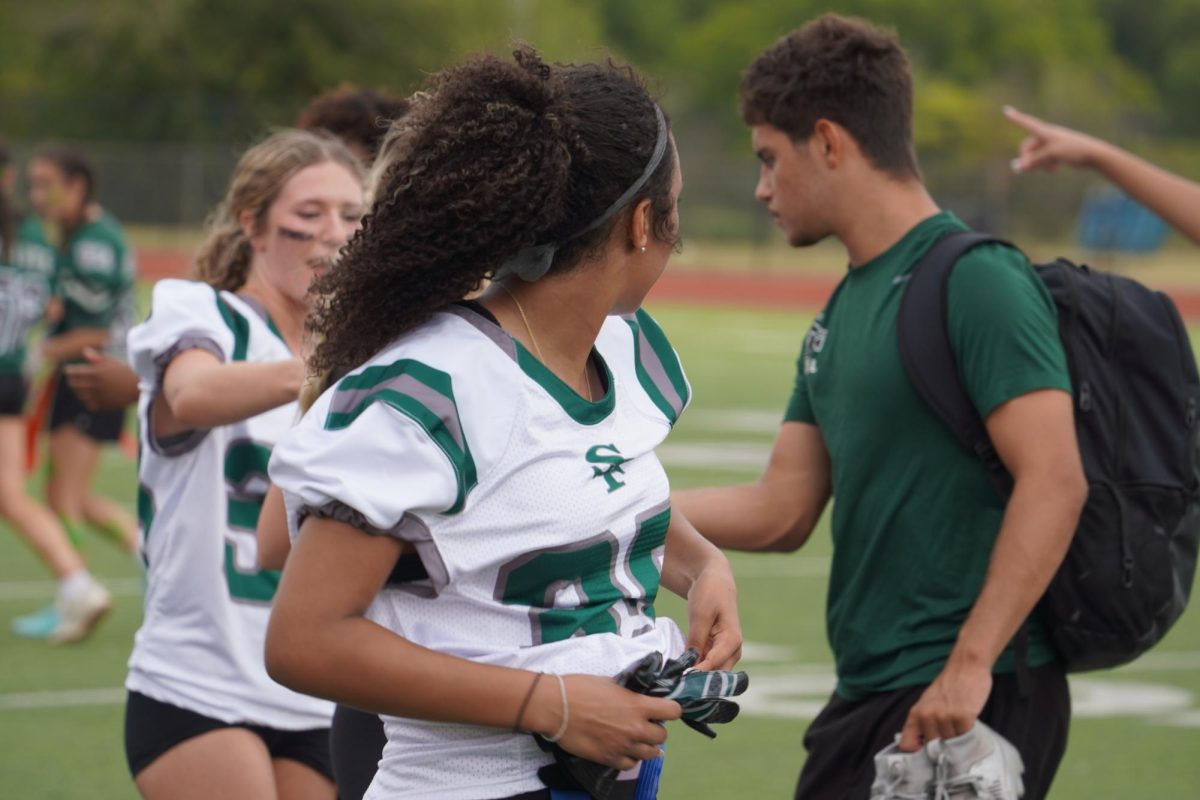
[533,340]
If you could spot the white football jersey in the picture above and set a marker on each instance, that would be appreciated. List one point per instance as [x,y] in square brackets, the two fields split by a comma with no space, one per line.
[200,646]
[539,517]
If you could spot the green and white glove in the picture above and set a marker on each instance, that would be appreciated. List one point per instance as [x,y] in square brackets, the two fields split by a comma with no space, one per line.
[704,696]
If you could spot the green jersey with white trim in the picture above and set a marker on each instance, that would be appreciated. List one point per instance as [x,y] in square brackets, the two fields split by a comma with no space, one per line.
[25,287]
[200,646]
[539,517]
[95,276]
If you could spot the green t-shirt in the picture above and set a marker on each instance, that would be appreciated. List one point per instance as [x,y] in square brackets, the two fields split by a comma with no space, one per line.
[94,275]
[25,287]
[915,516]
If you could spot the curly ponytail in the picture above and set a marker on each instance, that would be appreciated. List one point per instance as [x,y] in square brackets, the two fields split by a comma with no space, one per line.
[493,157]
[224,258]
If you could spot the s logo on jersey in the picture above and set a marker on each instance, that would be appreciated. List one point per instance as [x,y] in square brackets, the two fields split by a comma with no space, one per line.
[814,343]
[613,459]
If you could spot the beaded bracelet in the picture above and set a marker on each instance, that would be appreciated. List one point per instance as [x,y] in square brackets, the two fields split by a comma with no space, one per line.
[562,729]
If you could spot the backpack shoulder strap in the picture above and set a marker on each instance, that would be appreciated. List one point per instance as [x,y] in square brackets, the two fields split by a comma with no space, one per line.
[923,335]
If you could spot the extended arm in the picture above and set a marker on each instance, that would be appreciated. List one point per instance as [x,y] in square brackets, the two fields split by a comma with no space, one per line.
[201,392]
[1175,199]
[695,569]
[776,512]
[319,643]
[1034,435]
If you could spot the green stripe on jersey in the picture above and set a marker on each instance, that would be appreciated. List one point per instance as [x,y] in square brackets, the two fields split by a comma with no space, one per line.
[238,324]
[658,367]
[423,394]
[585,412]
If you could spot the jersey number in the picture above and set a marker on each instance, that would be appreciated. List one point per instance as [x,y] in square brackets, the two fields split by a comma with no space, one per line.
[607,593]
[246,485]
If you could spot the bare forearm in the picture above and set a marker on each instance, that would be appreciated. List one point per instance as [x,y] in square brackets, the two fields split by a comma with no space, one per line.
[391,675]
[220,394]
[1175,199]
[687,555]
[746,517]
[1038,525]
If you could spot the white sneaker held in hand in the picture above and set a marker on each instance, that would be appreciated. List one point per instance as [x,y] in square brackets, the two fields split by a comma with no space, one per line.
[900,775]
[978,764]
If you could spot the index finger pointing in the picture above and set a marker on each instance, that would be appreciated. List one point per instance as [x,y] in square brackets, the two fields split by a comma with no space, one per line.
[1023,120]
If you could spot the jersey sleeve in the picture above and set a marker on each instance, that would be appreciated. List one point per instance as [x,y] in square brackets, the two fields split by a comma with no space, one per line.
[1003,328]
[377,459]
[184,315]
[658,367]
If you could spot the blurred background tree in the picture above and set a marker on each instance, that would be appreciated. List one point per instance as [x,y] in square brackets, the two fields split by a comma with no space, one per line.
[217,73]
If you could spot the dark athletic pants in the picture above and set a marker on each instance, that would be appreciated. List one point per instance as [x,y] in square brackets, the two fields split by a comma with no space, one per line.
[844,738]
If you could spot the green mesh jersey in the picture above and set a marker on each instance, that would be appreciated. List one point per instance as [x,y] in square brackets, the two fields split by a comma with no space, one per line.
[95,272]
[26,278]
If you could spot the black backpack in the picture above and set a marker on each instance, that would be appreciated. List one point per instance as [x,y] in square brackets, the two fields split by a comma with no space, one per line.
[1129,570]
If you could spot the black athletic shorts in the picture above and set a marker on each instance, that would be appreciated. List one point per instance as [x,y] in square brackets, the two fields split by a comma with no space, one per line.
[13,391]
[100,426]
[152,728]
[356,741]
[844,738]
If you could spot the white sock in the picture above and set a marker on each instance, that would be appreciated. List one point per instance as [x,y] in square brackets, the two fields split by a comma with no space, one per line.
[75,586]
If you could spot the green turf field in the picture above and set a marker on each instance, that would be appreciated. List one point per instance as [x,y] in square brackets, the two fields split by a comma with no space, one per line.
[1136,730]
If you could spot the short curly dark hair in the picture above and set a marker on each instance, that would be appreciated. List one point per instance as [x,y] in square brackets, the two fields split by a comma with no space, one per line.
[495,156]
[359,117]
[844,70]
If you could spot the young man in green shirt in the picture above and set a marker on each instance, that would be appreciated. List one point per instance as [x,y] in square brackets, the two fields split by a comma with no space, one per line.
[933,573]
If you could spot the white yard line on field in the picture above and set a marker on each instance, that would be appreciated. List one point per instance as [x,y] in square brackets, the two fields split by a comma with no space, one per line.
[64,698]
[44,590]
[735,420]
[715,456]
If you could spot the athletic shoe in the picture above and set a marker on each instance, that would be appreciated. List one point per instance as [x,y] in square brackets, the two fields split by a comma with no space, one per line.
[40,624]
[78,615]
[900,775]
[980,764]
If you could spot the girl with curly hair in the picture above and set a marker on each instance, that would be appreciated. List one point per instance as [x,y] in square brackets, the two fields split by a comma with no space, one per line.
[219,375]
[481,522]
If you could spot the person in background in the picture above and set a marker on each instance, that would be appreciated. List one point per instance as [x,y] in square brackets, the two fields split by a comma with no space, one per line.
[1174,198]
[933,572]
[26,278]
[94,276]
[219,364]
[359,117]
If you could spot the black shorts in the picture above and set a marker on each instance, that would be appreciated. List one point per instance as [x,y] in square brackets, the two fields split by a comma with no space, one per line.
[152,728]
[100,426]
[844,738]
[356,741]
[13,391]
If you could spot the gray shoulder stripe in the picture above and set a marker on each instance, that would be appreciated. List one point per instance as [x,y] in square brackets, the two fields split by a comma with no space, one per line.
[654,368]
[345,401]
[487,328]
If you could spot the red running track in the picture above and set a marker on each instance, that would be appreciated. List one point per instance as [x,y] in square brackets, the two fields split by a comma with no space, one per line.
[696,286]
